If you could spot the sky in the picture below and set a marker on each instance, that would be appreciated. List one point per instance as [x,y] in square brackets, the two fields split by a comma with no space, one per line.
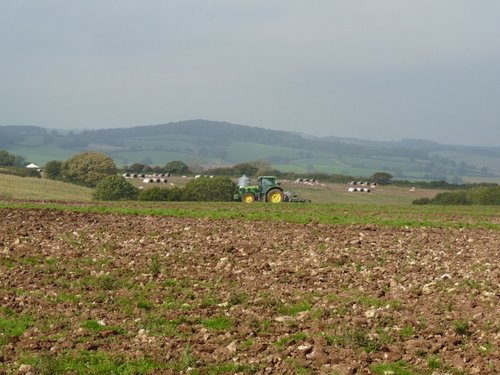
[370,69]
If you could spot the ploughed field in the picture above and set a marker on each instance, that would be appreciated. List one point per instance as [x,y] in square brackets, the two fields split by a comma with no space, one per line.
[102,293]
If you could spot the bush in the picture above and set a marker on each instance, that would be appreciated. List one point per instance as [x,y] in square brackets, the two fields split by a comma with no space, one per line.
[155,194]
[52,169]
[210,189]
[483,195]
[486,195]
[456,197]
[421,201]
[115,188]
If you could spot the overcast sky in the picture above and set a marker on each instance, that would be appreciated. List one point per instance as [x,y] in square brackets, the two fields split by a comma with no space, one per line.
[372,69]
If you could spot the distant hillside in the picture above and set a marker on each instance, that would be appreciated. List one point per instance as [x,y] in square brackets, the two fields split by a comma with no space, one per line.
[209,142]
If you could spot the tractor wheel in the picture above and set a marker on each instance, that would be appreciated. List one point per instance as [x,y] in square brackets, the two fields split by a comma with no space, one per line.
[274,196]
[248,198]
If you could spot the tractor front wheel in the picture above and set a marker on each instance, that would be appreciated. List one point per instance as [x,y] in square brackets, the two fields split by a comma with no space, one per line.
[248,198]
[274,196]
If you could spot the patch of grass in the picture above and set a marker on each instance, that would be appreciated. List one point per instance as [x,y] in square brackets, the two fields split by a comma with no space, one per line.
[209,301]
[262,327]
[295,308]
[395,368]
[395,216]
[89,362]
[486,349]
[42,189]
[145,305]
[238,298]
[433,362]
[291,339]
[170,282]
[188,359]
[247,344]
[298,367]
[462,327]
[160,326]
[228,368]
[219,323]
[407,332]
[356,338]
[370,301]
[155,266]
[95,326]
[66,297]
[8,263]
[107,282]
[12,326]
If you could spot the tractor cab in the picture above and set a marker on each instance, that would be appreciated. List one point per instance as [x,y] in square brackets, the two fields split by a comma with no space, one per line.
[266,182]
[267,190]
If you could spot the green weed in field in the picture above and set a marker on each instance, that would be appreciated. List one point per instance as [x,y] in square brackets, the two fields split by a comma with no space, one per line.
[13,325]
[462,327]
[407,332]
[89,362]
[395,368]
[294,308]
[219,323]
[291,339]
[433,362]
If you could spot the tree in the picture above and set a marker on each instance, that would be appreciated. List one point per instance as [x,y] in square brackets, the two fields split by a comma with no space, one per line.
[177,167]
[136,168]
[210,189]
[115,188]
[7,159]
[88,168]
[248,169]
[381,178]
[53,169]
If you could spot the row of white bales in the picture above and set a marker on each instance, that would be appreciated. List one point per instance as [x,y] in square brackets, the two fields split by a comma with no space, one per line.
[364,187]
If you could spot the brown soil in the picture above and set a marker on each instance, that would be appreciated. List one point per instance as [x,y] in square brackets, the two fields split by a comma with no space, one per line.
[328,299]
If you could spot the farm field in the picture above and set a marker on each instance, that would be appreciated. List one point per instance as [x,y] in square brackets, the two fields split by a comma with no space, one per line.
[206,288]
[30,188]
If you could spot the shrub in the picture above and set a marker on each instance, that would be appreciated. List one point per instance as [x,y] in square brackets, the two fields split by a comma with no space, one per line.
[210,189]
[486,195]
[155,194]
[115,188]
[489,195]
[456,197]
[52,169]
[421,201]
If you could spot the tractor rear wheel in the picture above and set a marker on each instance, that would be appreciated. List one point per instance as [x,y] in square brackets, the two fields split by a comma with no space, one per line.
[248,198]
[274,196]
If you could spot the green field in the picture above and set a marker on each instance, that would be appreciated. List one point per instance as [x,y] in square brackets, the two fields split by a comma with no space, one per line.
[29,188]
[341,214]
[331,204]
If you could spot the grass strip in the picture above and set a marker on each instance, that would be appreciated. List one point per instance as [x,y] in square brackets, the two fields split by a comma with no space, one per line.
[388,216]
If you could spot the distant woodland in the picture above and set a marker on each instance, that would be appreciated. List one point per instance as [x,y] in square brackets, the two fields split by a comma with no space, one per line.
[212,144]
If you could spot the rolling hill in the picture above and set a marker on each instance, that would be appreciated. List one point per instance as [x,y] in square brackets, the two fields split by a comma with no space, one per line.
[212,143]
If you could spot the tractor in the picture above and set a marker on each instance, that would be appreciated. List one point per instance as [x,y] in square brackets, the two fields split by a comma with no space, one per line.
[267,190]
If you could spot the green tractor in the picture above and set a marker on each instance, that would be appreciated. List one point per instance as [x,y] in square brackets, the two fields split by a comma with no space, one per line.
[267,190]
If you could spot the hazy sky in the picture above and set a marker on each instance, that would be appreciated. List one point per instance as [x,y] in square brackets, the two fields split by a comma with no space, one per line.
[373,69]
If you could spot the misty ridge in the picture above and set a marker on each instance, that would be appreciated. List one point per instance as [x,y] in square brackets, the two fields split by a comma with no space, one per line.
[212,143]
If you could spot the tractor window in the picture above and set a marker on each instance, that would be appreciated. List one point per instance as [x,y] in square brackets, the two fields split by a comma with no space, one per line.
[266,183]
